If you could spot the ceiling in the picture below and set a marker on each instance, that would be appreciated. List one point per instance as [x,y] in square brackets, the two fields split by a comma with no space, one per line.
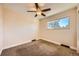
[55,7]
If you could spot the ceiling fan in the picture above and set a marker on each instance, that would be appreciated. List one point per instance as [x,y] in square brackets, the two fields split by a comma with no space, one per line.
[39,11]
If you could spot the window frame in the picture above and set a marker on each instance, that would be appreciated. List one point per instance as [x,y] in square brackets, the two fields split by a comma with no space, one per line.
[68,27]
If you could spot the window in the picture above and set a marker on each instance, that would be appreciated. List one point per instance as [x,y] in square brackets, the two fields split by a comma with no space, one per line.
[59,24]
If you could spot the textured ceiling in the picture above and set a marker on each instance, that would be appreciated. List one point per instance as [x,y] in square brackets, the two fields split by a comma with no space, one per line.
[55,7]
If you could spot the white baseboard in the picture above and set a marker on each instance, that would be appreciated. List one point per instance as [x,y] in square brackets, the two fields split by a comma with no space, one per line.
[30,41]
[52,41]
[16,44]
[73,48]
[59,43]
[1,51]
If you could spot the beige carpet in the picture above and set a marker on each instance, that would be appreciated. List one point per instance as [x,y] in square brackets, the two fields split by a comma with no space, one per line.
[39,48]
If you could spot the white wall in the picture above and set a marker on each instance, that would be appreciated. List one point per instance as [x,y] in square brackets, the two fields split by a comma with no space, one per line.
[78,29]
[61,36]
[1,28]
[19,28]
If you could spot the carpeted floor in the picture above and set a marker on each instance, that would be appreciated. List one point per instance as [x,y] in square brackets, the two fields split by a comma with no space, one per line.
[39,48]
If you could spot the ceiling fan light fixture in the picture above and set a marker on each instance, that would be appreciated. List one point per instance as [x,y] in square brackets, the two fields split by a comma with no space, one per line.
[38,13]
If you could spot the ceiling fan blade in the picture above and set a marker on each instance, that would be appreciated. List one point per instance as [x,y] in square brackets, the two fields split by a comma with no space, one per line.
[35,15]
[36,5]
[48,9]
[31,11]
[43,14]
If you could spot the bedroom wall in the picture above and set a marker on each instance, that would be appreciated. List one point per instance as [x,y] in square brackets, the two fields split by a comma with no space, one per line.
[19,28]
[1,28]
[78,29]
[62,36]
